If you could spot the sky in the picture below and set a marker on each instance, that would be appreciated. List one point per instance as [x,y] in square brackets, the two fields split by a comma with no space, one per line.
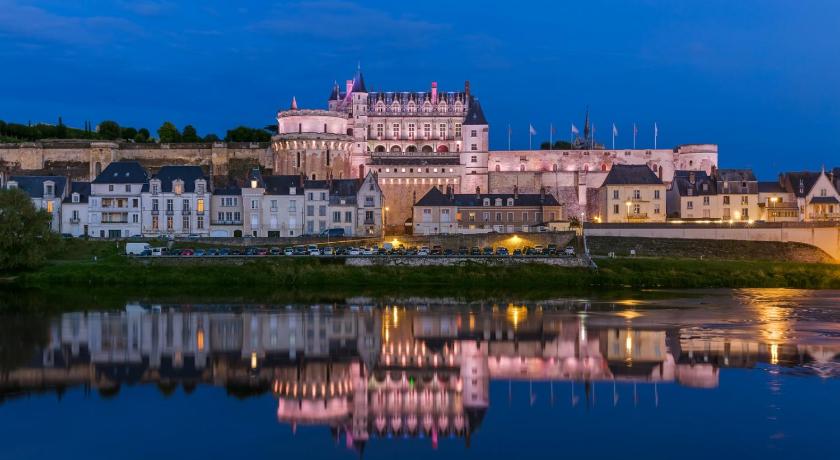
[760,78]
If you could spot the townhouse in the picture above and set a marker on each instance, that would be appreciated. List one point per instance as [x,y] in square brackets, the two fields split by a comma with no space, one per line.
[815,193]
[631,194]
[738,190]
[176,202]
[693,195]
[46,193]
[114,202]
[450,213]
[74,210]
[226,211]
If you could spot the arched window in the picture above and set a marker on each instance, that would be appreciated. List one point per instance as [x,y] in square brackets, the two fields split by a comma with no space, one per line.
[442,148]
[412,107]
[411,148]
[396,148]
[313,176]
[427,107]
[380,106]
[554,167]
[522,168]
[442,106]
[603,166]
[498,168]
[459,107]
[427,149]
[379,148]
[349,131]
[395,106]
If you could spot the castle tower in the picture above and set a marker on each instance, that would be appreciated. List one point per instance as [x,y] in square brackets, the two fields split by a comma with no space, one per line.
[313,143]
[474,157]
[358,124]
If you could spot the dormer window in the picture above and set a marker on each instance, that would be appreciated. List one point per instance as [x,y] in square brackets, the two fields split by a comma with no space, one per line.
[155,187]
[178,187]
[12,184]
[76,198]
[498,202]
[487,202]
[705,187]
[49,188]
[199,187]
[510,201]
[292,190]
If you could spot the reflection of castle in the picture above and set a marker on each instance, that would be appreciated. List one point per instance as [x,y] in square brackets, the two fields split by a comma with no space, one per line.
[378,372]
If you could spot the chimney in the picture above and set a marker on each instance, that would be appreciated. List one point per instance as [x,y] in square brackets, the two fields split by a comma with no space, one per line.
[434,93]
[477,192]
[349,86]
[467,90]
[542,194]
[451,192]
[515,192]
[294,104]
[692,177]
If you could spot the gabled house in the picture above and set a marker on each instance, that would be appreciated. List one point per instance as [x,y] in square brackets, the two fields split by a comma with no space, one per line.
[816,196]
[738,191]
[74,210]
[776,203]
[693,195]
[176,202]
[46,193]
[114,205]
[631,194]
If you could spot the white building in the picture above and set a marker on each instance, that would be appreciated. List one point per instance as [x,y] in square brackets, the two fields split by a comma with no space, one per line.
[114,204]
[46,193]
[74,210]
[226,211]
[176,202]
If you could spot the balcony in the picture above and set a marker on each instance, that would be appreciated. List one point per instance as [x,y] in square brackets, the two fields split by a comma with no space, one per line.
[370,222]
[74,220]
[639,216]
[186,212]
[170,212]
[155,212]
[226,222]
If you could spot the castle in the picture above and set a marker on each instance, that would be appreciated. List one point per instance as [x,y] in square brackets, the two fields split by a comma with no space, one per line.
[416,140]
[411,140]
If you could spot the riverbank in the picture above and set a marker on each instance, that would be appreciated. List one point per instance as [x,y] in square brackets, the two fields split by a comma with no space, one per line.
[315,274]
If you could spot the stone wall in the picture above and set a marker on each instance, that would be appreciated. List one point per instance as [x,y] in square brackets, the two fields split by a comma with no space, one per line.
[576,262]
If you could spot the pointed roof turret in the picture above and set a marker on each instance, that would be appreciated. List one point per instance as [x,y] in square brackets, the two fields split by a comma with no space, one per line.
[294,104]
[334,96]
[475,116]
[586,129]
[359,81]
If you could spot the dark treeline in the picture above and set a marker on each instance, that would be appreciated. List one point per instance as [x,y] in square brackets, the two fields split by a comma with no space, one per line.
[112,131]
[558,145]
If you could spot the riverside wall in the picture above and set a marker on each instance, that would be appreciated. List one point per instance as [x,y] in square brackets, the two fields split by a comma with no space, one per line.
[825,237]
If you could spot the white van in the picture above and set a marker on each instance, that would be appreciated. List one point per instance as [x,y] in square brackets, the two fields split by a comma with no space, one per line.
[136,249]
[157,252]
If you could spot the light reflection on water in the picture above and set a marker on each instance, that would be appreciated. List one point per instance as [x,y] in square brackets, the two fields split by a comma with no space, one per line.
[371,372]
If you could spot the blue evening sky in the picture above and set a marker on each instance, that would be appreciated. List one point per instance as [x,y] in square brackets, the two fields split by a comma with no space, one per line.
[759,77]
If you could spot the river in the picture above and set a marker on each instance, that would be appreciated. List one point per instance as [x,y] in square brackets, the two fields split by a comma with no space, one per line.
[702,374]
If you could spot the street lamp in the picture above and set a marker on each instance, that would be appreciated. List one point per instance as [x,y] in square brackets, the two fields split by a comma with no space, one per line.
[628,203]
[774,200]
[386,216]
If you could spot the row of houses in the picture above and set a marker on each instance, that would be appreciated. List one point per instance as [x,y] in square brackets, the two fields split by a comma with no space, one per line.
[633,193]
[126,201]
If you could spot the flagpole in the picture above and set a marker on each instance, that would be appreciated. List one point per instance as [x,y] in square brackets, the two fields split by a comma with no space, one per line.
[613,136]
[508,136]
[551,136]
[655,135]
[634,136]
[529,137]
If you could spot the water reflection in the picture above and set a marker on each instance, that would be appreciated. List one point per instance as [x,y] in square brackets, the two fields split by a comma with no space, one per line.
[424,370]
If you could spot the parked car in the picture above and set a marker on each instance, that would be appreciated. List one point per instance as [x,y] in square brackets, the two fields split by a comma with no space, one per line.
[424,251]
[200,253]
[262,251]
[224,252]
[235,252]
[501,251]
[462,251]
[300,250]
[367,251]
[212,252]
[135,249]
[487,251]
[288,251]
[275,251]
[328,251]
[187,252]
[448,252]
[569,251]
[517,252]
[353,252]
[162,251]
[475,251]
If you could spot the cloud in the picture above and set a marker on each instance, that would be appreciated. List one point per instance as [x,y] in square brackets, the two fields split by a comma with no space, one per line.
[24,22]
[147,8]
[340,20]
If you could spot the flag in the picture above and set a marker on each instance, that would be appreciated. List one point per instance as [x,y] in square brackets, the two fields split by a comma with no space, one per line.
[531,130]
[553,129]
[575,129]
[655,129]
[635,129]
[615,130]
[510,130]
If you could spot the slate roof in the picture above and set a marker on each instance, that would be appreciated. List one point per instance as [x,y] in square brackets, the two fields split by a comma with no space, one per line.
[806,178]
[337,187]
[122,172]
[359,82]
[475,115]
[770,187]
[82,188]
[281,185]
[824,200]
[433,161]
[631,175]
[188,174]
[740,175]
[434,197]
[682,180]
[34,185]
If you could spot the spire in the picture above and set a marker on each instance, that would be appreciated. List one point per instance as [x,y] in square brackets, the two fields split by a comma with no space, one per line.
[334,94]
[475,116]
[586,129]
[294,104]
[359,81]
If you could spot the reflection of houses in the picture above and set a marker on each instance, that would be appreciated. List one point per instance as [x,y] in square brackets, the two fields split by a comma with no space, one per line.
[392,372]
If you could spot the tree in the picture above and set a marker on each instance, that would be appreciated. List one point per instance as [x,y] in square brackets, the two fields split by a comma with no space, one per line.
[211,138]
[558,145]
[189,135]
[109,130]
[144,134]
[168,132]
[25,234]
[246,134]
[128,133]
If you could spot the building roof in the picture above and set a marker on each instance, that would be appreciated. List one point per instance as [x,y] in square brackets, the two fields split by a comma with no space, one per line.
[359,82]
[686,187]
[34,185]
[122,172]
[631,175]
[770,187]
[336,187]
[475,115]
[807,180]
[281,185]
[739,175]
[228,190]
[434,197]
[824,200]
[82,188]
[188,174]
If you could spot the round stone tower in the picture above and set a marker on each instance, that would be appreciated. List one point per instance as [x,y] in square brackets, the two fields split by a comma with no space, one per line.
[315,143]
